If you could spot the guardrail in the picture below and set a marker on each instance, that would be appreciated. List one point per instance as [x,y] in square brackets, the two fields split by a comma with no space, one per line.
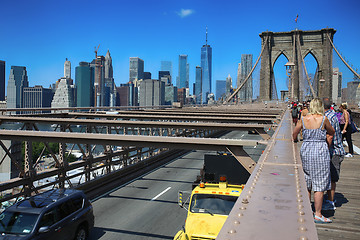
[274,203]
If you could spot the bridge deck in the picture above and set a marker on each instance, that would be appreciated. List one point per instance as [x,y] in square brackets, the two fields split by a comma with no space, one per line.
[346,218]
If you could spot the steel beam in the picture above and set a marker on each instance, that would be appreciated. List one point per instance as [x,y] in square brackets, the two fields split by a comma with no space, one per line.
[274,203]
[211,144]
[259,122]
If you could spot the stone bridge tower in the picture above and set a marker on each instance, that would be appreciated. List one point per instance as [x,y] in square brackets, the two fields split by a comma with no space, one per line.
[295,45]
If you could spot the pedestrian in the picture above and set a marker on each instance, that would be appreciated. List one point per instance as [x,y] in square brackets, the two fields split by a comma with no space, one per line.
[304,112]
[346,128]
[314,153]
[337,153]
[295,113]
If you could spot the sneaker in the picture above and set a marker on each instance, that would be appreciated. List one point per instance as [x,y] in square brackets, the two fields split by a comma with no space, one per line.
[329,205]
[349,155]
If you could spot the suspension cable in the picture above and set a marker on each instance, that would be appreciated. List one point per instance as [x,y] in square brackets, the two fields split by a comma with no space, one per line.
[352,70]
[248,76]
[307,76]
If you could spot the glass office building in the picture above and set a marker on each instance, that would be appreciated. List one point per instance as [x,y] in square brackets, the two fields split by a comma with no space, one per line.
[84,80]
[183,72]
[206,63]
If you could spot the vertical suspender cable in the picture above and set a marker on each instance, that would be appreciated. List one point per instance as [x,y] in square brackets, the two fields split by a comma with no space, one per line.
[307,76]
[248,76]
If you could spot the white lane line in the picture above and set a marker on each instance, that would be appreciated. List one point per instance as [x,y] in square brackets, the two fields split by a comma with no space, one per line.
[154,198]
[356,149]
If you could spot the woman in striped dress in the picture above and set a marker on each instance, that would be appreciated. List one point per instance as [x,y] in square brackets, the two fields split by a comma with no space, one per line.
[315,157]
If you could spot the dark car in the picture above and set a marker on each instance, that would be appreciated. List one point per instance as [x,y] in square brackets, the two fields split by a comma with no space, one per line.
[52,215]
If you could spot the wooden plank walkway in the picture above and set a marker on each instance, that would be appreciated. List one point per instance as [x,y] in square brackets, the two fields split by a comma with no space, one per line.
[346,217]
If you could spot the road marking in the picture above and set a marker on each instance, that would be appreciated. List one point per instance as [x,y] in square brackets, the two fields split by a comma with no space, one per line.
[154,198]
[131,181]
[356,149]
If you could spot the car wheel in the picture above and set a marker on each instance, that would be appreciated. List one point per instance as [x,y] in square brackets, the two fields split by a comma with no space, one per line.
[81,233]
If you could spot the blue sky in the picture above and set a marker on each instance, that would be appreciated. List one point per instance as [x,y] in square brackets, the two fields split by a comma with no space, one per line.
[40,34]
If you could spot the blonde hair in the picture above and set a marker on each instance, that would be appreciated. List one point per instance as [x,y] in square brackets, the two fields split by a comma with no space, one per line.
[344,105]
[316,107]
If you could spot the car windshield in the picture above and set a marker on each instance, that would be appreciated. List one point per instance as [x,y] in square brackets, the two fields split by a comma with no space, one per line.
[17,222]
[212,204]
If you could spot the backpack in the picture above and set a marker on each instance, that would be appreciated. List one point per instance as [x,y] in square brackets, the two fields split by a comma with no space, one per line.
[294,113]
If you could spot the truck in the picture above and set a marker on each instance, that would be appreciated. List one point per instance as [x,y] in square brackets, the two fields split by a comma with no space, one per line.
[214,194]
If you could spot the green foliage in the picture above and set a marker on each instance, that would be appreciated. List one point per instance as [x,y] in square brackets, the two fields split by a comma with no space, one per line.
[38,147]
[72,158]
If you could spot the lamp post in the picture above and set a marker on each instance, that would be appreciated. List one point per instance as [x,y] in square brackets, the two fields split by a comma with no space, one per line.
[289,70]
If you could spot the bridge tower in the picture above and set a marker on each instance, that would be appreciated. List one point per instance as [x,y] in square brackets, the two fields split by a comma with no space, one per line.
[295,46]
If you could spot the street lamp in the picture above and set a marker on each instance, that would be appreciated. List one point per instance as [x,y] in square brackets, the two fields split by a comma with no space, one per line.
[289,70]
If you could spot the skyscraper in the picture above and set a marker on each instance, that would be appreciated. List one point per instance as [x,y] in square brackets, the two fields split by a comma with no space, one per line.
[198,85]
[37,97]
[228,86]
[67,69]
[2,80]
[336,85]
[245,94]
[18,79]
[136,69]
[166,66]
[220,88]
[99,81]
[84,80]
[109,82]
[165,77]
[183,72]
[206,63]
[64,96]
[152,93]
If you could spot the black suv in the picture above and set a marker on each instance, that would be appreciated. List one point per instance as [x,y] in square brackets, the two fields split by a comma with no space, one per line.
[55,214]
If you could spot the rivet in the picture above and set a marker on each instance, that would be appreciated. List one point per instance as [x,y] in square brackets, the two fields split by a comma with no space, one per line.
[275,157]
[299,195]
[240,214]
[299,200]
[300,206]
[243,208]
[236,222]
[301,220]
[252,188]
[232,231]
[301,213]
[245,201]
[302,229]
[248,196]
[250,192]
[303,238]
[298,190]
[254,183]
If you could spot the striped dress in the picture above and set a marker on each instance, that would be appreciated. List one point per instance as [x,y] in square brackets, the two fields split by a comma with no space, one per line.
[315,158]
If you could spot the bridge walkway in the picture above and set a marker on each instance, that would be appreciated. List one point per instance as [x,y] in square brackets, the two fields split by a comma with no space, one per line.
[346,218]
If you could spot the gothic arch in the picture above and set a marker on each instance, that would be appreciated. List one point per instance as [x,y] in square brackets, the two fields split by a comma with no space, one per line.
[290,44]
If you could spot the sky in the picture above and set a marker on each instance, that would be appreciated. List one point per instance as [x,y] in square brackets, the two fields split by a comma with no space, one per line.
[40,34]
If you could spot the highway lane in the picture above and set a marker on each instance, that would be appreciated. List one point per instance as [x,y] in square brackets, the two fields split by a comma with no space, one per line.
[132,212]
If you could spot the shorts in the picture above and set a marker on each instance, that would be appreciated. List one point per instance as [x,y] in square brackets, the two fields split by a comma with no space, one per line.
[335,167]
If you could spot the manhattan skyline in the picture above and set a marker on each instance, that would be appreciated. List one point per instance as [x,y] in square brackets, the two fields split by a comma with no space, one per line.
[40,35]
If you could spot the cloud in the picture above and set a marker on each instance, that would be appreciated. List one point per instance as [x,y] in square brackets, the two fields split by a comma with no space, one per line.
[185,12]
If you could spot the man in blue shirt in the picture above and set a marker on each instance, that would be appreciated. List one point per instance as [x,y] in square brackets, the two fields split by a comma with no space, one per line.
[337,153]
